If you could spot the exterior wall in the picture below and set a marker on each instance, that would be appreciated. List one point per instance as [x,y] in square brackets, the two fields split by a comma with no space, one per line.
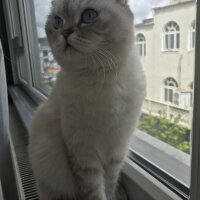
[159,64]
[147,60]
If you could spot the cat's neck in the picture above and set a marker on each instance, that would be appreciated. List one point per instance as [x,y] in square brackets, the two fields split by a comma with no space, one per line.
[89,72]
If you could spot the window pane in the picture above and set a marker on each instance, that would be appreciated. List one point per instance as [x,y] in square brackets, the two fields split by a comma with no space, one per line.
[171,95]
[193,40]
[48,66]
[166,94]
[140,49]
[165,129]
[171,41]
[166,41]
[177,40]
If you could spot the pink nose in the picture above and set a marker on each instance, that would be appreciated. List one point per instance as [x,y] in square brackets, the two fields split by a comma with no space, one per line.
[67,32]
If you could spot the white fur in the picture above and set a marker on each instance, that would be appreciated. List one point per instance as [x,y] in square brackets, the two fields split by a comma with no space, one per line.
[87,123]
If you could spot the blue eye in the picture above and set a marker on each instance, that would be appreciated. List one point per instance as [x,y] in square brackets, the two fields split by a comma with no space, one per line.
[58,22]
[89,16]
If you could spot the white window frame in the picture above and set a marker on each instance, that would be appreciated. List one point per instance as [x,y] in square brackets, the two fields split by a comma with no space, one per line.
[170,86]
[141,44]
[192,35]
[171,30]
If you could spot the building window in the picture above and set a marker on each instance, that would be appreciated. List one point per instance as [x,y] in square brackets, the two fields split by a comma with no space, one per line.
[141,44]
[171,37]
[170,85]
[192,36]
[45,53]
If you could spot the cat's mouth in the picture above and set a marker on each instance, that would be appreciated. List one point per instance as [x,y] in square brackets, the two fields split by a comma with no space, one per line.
[68,46]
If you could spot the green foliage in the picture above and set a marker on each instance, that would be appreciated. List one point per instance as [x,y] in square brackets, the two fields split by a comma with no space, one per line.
[167,130]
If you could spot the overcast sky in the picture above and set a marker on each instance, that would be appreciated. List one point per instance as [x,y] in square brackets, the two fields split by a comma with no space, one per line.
[141,8]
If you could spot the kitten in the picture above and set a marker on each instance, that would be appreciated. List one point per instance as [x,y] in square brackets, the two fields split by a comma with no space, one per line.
[80,136]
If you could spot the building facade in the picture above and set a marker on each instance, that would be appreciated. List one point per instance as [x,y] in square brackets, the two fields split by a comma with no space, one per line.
[166,46]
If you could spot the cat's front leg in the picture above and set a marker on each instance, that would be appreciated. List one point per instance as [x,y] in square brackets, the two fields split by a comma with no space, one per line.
[90,180]
[111,178]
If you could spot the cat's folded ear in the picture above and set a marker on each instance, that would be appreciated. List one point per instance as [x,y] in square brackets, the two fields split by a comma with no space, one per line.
[122,2]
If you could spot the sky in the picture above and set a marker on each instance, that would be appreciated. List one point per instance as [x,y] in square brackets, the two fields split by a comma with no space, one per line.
[142,9]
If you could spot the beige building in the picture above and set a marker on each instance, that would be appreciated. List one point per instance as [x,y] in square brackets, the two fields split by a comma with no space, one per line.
[166,46]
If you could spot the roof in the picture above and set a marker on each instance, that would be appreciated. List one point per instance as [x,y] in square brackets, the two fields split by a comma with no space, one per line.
[150,21]
[172,4]
[146,22]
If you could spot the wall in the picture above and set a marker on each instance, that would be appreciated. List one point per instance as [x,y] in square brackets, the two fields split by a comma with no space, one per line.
[158,64]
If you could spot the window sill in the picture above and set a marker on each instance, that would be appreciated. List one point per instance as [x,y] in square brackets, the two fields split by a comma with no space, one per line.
[133,176]
[169,159]
[170,51]
[191,50]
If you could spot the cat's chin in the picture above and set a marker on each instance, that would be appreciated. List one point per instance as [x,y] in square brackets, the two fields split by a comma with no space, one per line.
[68,47]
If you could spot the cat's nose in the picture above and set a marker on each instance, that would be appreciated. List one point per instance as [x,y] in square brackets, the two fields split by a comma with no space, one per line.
[67,32]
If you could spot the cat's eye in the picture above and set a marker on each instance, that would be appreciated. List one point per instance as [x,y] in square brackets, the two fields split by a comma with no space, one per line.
[88,16]
[58,22]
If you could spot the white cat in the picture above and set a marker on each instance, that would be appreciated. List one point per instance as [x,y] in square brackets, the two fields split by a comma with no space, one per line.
[80,136]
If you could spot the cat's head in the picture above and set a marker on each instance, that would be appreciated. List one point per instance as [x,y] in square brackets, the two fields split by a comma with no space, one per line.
[77,29]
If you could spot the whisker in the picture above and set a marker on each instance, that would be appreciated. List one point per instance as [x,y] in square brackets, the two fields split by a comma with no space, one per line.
[103,69]
[112,59]
[101,54]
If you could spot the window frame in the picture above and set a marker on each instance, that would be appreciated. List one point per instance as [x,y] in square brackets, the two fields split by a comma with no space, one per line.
[169,90]
[167,35]
[39,96]
[32,39]
[141,45]
[192,35]
[26,43]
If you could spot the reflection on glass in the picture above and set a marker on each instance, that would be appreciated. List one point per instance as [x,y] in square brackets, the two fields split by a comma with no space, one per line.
[49,67]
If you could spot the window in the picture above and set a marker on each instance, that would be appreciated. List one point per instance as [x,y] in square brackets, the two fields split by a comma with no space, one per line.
[169,91]
[167,110]
[171,36]
[141,44]
[162,142]
[192,36]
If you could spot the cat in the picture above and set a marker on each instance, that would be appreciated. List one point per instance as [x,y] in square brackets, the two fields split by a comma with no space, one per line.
[80,136]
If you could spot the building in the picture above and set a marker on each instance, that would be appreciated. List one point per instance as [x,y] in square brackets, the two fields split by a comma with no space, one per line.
[49,67]
[166,46]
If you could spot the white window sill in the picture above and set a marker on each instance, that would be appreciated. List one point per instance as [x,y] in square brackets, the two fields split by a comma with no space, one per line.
[146,182]
[191,50]
[170,50]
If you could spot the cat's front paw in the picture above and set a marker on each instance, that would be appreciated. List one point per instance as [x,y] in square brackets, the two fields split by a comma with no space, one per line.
[121,193]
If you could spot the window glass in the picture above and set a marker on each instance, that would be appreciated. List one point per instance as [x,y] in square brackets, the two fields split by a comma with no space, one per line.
[166,41]
[48,66]
[171,36]
[193,40]
[177,40]
[141,44]
[164,135]
[172,42]
[192,35]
